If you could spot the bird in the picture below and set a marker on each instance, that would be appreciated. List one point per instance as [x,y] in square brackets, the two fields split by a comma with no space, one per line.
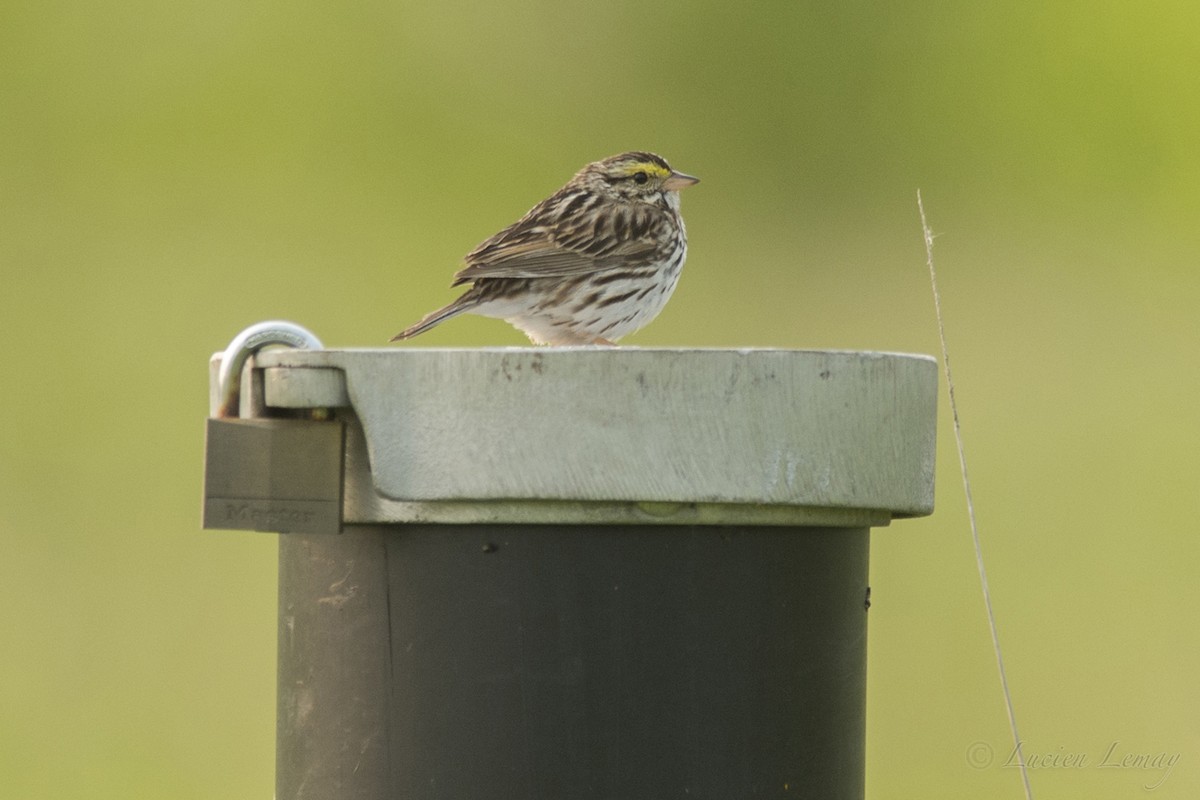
[593,262]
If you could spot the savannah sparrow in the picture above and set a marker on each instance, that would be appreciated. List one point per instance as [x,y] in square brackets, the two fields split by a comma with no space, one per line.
[595,261]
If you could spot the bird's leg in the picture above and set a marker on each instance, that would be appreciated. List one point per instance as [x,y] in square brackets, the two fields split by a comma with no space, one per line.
[570,339]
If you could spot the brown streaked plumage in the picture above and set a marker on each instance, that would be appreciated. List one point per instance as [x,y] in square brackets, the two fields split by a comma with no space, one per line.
[593,262]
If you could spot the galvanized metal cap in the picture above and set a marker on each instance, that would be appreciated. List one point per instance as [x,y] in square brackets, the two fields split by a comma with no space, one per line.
[621,435]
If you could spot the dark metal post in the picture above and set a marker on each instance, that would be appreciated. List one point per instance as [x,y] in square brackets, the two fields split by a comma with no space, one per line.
[595,662]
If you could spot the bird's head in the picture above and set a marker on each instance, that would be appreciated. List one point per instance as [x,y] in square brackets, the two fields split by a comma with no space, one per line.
[634,176]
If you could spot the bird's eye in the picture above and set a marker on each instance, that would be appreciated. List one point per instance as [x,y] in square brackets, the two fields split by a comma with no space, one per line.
[640,177]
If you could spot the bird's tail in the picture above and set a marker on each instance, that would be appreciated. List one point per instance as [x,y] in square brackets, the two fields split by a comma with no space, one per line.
[459,306]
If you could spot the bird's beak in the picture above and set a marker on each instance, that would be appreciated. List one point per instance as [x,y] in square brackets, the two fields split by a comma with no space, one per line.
[677,180]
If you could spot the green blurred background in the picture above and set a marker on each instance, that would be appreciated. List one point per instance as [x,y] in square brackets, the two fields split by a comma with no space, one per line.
[170,173]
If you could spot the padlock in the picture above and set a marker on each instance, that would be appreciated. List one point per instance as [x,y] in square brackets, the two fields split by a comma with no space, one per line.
[265,474]
[268,473]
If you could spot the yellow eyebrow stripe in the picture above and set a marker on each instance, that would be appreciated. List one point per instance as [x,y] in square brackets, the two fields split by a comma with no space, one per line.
[650,168]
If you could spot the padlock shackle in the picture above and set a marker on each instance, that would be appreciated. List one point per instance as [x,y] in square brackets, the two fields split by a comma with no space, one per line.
[246,344]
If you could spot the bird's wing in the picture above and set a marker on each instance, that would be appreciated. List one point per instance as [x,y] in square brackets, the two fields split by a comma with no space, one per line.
[527,250]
